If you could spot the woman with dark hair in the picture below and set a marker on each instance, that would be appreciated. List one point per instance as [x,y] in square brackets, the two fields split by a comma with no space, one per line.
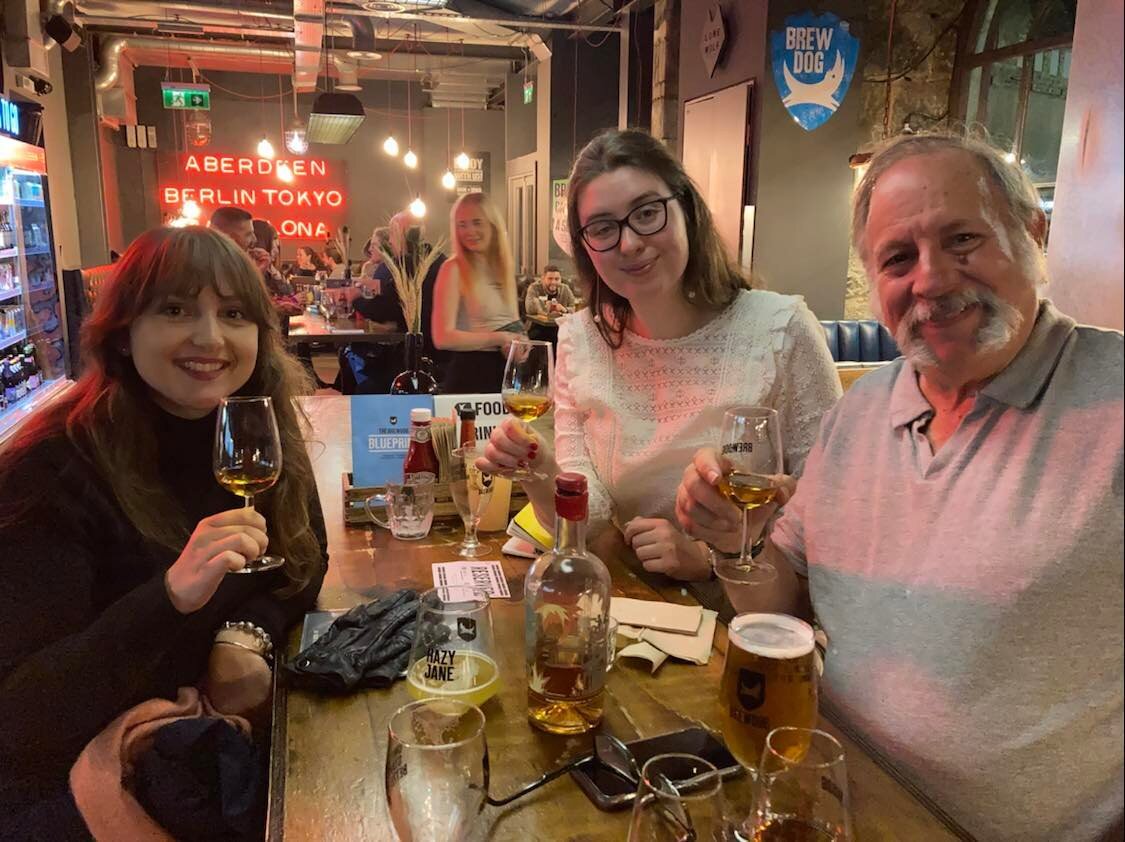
[673,337]
[308,262]
[117,539]
[265,255]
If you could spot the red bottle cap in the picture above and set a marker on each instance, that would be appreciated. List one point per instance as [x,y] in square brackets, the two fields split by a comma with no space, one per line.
[571,496]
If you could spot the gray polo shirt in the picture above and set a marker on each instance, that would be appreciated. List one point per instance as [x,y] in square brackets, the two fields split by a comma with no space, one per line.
[973,598]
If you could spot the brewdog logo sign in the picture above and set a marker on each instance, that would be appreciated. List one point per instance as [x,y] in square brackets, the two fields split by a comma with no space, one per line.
[814,58]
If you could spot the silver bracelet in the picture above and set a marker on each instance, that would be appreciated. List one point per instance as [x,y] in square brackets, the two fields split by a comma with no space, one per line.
[257,632]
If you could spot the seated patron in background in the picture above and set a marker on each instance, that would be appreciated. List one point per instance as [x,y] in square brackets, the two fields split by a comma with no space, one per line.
[308,262]
[378,364]
[671,340]
[476,311]
[958,526]
[117,539]
[239,225]
[548,298]
[334,264]
[281,291]
[375,251]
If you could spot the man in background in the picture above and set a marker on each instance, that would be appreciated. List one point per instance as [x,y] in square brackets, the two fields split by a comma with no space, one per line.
[546,300]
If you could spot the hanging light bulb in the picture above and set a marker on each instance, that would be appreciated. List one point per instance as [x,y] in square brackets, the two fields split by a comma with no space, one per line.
[296,137]
[390,146]
[265,148]
[285,172]
[448,181]
[410,159]
[461,161]
[191,210]
[418,208]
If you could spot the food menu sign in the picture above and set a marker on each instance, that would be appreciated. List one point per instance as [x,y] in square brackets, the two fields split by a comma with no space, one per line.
[474,178]
[313,206]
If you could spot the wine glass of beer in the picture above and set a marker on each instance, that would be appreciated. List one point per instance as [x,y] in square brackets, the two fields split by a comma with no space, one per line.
[247,457]
[453,655]
[769,681]
[436,773]
[750,444]
[471,489]
[526,390]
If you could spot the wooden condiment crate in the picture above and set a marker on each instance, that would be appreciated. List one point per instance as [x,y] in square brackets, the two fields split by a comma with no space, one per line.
[444,508]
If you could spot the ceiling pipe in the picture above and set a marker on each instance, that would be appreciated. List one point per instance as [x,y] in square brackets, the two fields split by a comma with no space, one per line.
[515,22]
[113,49]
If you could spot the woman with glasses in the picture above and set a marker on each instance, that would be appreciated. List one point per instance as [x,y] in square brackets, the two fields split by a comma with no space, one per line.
[672,338]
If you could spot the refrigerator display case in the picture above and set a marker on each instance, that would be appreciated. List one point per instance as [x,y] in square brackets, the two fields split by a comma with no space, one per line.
[34,357]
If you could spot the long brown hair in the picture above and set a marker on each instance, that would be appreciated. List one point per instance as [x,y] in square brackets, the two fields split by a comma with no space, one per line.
[499,257]
[711,279]
[104,413]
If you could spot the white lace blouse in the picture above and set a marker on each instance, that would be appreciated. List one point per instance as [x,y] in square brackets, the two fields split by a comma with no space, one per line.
[630,419]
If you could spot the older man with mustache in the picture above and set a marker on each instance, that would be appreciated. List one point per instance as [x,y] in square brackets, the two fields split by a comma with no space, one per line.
[958,526]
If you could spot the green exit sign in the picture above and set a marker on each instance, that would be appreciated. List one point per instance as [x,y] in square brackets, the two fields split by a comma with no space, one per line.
[528,92]
[186,97]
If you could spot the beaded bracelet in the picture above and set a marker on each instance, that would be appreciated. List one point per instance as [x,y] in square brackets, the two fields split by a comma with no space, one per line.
[261,637]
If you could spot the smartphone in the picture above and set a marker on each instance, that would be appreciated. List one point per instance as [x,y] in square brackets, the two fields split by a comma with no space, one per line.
[610,791]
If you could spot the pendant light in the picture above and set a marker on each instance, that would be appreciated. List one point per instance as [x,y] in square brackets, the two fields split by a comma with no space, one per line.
[296,133]
[448,181]
[390,145]
[418,208]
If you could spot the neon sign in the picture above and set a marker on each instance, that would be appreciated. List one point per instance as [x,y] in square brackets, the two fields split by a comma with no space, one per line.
[9,118]
[312,207]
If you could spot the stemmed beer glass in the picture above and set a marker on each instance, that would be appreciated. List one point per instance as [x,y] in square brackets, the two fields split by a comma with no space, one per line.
[750,444]
[471,489]
[247,457]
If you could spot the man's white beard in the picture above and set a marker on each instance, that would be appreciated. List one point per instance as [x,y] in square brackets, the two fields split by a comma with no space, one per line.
[1000,321]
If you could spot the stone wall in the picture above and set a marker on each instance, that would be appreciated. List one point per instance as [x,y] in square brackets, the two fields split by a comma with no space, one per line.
[921,89]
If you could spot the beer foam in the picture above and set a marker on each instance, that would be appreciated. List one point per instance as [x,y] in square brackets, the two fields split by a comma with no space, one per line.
[772,635]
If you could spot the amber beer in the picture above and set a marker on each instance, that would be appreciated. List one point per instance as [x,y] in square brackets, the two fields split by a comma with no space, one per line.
[769,680]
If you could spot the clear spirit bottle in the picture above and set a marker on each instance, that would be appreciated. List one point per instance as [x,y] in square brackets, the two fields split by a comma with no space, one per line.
[566,599]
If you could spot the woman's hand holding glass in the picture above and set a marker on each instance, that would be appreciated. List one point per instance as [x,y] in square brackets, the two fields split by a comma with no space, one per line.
[512,447]
[220,543]
[704,512]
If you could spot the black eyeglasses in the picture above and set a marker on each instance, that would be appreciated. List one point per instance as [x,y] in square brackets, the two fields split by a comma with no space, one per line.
[649,218]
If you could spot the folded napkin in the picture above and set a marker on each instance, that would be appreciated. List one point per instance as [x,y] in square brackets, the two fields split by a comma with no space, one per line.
[656,644]
[367,647]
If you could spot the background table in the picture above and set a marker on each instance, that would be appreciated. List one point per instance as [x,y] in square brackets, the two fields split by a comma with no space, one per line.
[328,753]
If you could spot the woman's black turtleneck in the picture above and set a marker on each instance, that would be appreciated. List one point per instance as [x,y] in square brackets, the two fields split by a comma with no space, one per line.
[87,629]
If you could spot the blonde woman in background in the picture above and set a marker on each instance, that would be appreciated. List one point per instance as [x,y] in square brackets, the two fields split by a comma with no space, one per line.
[475,310]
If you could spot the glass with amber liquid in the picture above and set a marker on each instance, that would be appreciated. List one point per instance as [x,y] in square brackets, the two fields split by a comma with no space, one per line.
[750,444]
[566,611]
[526,389]
[247,457]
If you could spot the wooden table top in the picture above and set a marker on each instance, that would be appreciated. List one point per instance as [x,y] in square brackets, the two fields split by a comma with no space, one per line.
[315,328]
[328,753]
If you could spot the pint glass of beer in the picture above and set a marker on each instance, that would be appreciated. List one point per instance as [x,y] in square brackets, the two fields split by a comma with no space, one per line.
[769,681]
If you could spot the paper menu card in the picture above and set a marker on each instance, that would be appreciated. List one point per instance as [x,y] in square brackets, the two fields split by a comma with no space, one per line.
[486,575]
[661,616]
